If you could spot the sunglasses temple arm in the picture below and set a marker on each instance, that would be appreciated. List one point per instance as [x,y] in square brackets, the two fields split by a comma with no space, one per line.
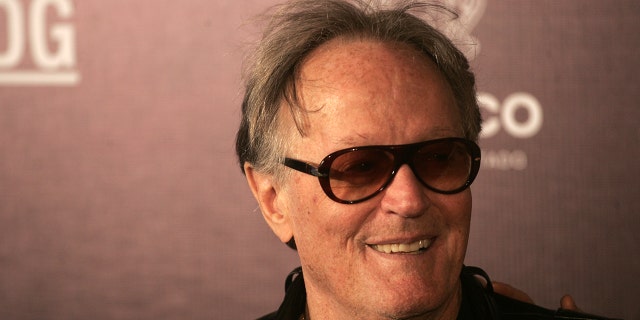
[303,167]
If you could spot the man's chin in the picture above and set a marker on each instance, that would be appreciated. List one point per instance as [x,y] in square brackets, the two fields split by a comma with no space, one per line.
[422,305]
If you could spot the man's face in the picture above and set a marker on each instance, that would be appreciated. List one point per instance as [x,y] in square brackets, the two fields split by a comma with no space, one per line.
[371,93]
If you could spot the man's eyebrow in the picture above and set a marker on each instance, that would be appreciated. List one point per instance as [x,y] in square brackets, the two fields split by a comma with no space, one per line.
[358,139]
[351,141]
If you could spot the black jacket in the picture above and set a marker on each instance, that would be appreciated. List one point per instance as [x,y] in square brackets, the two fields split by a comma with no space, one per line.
[479,302]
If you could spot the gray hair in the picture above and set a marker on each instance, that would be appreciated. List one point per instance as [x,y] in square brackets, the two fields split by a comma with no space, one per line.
[300,26]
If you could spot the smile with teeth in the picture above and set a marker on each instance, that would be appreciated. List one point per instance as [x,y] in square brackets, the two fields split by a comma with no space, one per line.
[411,248]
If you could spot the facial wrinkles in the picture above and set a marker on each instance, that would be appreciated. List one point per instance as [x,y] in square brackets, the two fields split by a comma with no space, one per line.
[384,88]
[387,90]
[347,78]
[396,89]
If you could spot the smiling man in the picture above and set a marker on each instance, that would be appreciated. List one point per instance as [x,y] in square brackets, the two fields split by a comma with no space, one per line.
[407,243]
[358,140]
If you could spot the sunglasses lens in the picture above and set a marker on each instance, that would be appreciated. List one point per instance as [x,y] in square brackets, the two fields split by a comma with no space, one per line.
[358,174]
[444,166]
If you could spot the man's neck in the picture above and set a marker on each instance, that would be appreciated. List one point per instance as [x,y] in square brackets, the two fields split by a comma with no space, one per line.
[330,309]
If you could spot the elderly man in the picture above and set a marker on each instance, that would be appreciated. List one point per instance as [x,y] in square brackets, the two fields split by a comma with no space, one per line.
[358,140]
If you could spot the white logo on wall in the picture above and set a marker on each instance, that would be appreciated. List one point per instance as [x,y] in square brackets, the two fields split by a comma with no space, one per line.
[503,116]
[498,115]
[39,46]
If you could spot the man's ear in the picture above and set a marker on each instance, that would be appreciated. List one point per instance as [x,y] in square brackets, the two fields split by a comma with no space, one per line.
[266,192]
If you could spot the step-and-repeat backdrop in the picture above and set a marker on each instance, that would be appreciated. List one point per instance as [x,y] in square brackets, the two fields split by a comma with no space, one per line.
[120,197]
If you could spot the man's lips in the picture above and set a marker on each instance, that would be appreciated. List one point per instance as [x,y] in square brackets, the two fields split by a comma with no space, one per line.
[410,248]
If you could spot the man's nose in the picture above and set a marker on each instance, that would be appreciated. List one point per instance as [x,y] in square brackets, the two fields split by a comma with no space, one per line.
[405,195]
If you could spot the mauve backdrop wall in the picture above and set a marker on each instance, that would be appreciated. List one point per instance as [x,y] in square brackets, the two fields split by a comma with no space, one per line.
[120,197]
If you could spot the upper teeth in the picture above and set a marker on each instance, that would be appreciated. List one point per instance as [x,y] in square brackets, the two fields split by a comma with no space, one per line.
[402,247]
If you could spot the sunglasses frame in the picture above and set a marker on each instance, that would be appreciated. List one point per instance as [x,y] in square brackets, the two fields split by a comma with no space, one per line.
[402,154]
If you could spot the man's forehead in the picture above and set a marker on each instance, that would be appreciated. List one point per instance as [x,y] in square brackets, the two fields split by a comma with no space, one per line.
[341,68]
[341,55]
[341,83]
